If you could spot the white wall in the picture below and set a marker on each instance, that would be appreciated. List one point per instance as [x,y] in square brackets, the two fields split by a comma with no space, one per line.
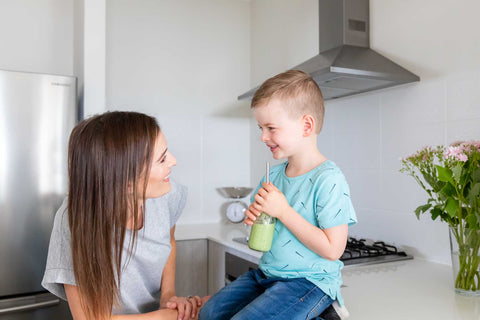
[93,64]
[185,62]
[284,33]
[367,134]
[50,36]
[37,36]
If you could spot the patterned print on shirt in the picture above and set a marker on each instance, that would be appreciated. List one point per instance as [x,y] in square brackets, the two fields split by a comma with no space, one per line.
[333,188]
[286,243]
[298,253]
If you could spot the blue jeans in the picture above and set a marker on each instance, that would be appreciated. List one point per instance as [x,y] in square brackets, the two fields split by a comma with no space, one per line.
[254,296]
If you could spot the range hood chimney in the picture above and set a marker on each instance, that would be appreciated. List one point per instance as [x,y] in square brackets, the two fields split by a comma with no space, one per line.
[346,65]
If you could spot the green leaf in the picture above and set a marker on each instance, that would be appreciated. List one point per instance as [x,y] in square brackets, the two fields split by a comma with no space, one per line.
[471,221]
[444,174]
[435,213]
[476,175]
[451,207]
[430,180]
[457,172]
[474,193]
[449,190]
[421,209]
[472,237]
[439,185]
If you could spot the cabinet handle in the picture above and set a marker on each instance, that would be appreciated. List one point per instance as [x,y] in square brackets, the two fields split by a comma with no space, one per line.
[22,306]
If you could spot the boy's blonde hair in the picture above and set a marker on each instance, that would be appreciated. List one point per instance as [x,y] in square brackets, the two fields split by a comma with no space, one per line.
[299,92]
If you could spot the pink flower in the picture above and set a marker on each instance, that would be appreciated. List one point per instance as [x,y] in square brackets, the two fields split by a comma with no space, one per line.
[456,143]
[456,153]
[452,151]
[462,157]
[472,144]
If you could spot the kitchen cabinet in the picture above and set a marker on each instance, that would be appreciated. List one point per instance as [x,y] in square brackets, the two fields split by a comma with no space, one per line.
[208,255]
[216,266]
[191,268]
[200,268]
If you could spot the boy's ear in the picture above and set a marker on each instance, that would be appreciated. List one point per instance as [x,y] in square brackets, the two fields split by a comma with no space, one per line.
[308,125]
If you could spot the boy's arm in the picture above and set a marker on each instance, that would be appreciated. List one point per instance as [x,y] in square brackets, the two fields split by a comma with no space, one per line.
[328,243]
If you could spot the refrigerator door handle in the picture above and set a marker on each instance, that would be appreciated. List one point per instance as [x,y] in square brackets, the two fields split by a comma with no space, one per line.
[28,303]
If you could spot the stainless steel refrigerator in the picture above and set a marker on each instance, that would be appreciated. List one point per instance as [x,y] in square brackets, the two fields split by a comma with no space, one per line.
[37,113]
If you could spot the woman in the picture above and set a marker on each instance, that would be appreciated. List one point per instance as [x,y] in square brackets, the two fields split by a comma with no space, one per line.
[112,249]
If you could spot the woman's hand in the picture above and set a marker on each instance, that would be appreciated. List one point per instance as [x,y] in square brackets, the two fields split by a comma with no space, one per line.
[187,307]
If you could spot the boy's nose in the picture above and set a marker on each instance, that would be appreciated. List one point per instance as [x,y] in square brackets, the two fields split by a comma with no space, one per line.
[264,137]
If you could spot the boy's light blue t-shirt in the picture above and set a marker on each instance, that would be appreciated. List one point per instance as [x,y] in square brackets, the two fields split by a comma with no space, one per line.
[322,197]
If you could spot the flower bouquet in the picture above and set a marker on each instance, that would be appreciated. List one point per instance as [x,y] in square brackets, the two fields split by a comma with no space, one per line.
[451,177]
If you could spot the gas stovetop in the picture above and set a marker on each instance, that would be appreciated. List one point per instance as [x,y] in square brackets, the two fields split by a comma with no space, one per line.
[363,252]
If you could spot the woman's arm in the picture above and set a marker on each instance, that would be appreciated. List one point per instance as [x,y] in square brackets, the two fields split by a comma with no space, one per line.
[167,287]
[186,308]
[73,297]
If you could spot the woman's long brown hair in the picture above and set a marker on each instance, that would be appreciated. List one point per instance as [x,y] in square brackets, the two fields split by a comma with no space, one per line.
[108,156]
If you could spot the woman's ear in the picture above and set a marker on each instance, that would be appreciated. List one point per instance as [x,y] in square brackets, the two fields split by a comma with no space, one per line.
[308,125]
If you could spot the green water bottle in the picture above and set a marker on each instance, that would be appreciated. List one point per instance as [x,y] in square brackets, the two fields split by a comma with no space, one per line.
[261,235]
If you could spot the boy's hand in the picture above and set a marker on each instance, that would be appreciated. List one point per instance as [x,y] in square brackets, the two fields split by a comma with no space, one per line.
[251,214]
[269,200]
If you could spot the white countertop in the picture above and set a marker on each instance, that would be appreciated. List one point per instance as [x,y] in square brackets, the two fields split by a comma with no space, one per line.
[411,289]
[406,290]
[222,233]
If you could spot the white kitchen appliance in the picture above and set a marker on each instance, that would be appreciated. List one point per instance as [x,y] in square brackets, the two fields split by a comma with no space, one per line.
[235,209]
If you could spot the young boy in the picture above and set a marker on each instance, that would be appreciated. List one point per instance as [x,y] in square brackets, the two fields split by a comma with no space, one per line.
[300,276]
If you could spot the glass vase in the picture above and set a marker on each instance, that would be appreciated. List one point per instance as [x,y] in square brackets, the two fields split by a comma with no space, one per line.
[464,246]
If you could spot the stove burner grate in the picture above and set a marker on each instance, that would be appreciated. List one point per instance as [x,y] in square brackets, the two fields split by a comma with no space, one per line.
[365,252]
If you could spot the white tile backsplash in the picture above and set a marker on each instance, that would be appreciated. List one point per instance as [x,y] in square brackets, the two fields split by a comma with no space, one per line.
[355,129]
[400,140]
[399,193]
[358,149]
[424,238]
[368,135]
[184,139]
[463,130]
[354,114]
[226,161]
[463,96]
[364,187]
[211,152]
[413,104]
[325,141]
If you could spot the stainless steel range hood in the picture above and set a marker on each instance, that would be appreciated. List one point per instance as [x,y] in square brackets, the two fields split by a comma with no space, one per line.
[346,65]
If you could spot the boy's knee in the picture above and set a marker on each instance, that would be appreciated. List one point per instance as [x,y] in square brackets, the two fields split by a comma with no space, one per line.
[205,312]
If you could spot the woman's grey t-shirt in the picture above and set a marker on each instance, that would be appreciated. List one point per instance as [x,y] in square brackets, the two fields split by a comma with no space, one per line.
[140,281]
